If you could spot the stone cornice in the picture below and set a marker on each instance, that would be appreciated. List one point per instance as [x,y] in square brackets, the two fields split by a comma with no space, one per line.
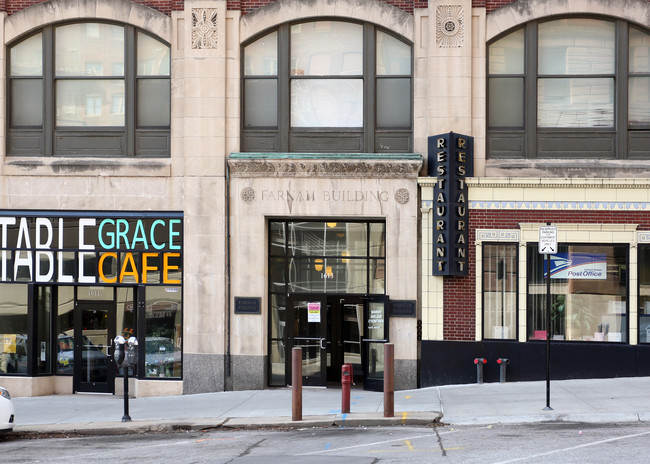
[548,183]
[375,168]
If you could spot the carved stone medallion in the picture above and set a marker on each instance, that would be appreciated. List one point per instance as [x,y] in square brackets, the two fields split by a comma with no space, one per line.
[204,28]
[247,194]
[402,196]
[450,26]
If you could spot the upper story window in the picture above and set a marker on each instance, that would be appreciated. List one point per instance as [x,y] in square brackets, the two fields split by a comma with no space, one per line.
[89,89]
[327,86]
[572,87]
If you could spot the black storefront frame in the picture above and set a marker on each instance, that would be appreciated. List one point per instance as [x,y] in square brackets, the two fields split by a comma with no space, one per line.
[447,362]
[452,362]
[139,289]
[284,294]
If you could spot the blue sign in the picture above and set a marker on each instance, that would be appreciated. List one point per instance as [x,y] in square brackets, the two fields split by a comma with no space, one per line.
[592,266]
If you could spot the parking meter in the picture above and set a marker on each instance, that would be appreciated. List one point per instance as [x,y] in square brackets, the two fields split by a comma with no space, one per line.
[126,355]
[118,353]
[131,351]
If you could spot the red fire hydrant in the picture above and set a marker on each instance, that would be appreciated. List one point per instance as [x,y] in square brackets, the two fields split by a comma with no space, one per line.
[346,381]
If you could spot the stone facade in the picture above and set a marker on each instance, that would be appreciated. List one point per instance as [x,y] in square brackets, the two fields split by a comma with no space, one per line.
[227,197]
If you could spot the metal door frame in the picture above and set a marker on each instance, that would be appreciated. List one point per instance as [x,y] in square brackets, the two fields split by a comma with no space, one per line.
[320,381]
[94,387]
[373,384]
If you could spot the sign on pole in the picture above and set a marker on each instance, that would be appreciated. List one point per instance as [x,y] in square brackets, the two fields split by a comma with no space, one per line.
[548,247]
[547,240]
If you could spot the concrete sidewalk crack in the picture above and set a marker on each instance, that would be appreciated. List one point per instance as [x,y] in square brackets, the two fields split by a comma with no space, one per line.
[577,398]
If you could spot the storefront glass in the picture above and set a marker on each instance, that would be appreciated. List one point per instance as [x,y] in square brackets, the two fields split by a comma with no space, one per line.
[644,293]
[329,257]
[278,328]
[65,330]
[13,327]
[316,258]
[500,291]
[588,293]
[163,332]
[43,358]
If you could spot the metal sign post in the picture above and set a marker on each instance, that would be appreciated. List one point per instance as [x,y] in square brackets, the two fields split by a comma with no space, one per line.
[548,247]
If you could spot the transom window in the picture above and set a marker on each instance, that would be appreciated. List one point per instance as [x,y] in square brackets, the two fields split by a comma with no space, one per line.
[571,87]
[89,89]
[327,86]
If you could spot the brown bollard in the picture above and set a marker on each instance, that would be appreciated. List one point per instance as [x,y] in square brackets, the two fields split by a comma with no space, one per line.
[389,380]
[296,384]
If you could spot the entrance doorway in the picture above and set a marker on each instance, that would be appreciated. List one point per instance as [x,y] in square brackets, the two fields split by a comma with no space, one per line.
[333,330]
[94,368]
[88,320]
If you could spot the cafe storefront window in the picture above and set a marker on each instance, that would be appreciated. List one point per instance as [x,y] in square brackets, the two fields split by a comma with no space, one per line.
[163,332]
[589,293]
[13,323]
[70,282]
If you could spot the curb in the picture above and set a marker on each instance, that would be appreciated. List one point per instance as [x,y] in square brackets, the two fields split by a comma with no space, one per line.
[250,423]
[547,418]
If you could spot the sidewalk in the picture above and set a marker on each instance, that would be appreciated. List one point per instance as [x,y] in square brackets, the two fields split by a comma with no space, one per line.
[593,400]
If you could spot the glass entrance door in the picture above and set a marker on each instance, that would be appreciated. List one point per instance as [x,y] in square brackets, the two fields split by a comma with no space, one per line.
[94,368]
[375,336]
[346,331]
[308,330]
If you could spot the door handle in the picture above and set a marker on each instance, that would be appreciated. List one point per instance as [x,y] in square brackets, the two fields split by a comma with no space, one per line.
[322,343]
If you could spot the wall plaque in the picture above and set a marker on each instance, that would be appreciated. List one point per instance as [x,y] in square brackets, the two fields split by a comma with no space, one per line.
[402,308]
[247,305]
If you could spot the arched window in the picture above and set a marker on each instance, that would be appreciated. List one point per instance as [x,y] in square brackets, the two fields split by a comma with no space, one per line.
[327,86]
[89,89]
[570,88]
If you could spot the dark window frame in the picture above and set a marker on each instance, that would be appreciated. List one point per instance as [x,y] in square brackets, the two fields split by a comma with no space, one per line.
[643,280]
[558,324]
[515,275]
[622,141]
[284,139]
[98,141]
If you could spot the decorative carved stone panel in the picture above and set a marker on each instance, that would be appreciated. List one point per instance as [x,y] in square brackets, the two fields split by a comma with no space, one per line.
[324,168]
[204,28]
[450,26]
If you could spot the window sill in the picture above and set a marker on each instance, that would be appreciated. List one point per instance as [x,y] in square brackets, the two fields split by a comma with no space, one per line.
[131,167]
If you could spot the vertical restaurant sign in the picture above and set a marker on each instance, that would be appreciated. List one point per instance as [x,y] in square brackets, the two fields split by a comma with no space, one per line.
[451,160]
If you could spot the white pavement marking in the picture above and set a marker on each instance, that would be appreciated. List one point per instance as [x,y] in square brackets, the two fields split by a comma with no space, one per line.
[571,448]
[364,445]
